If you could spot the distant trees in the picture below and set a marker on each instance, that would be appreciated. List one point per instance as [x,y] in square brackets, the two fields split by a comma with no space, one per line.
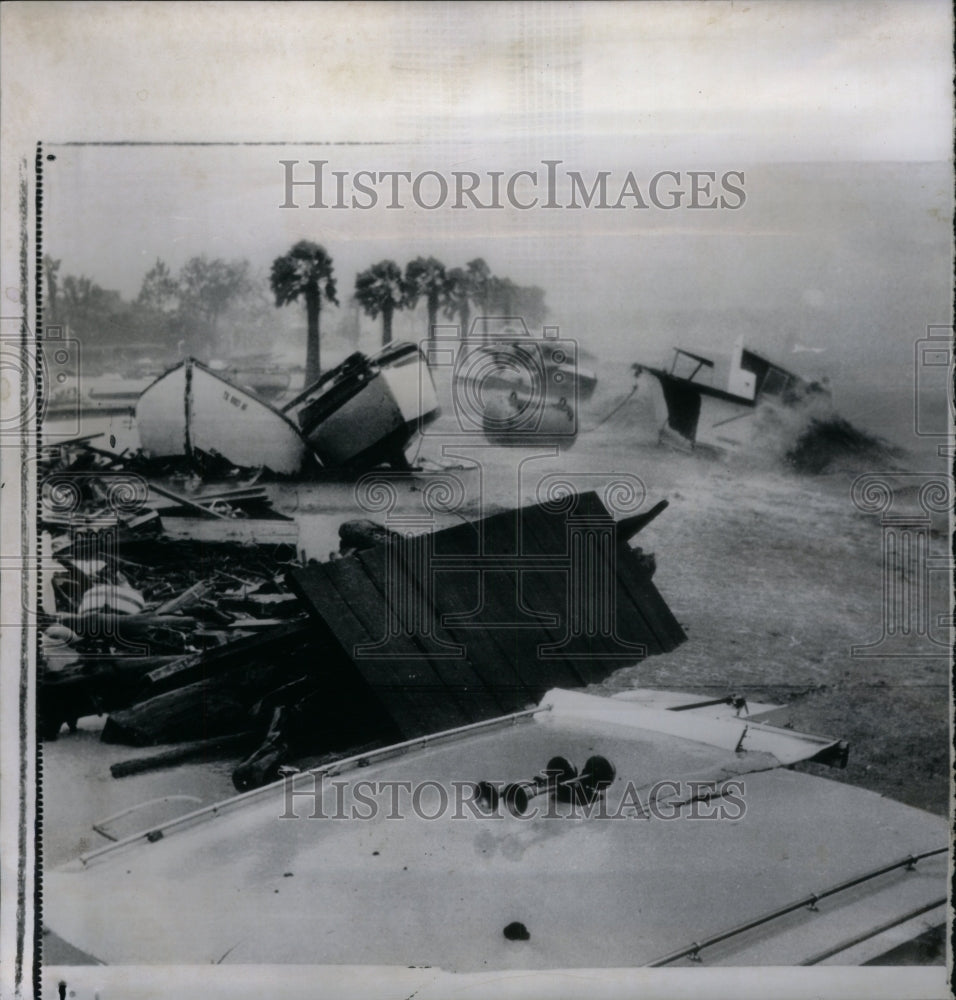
[207,287]
[426,277]
[305,271]
[458,298]
[478,279]
[457,289]
[212,305]
[381,289]
[51,269]
[92,313]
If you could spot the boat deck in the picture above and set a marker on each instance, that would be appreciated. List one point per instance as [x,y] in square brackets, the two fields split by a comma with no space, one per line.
[615,890]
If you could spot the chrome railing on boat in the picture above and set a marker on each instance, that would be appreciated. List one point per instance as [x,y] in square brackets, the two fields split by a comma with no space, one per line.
[693,950]
[330,769]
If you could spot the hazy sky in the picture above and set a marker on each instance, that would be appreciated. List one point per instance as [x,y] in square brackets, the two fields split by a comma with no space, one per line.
[829,253]
[790,80]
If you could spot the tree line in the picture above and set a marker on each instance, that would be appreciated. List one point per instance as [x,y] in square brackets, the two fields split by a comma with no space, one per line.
[208,305]
[213,305]
[307,272]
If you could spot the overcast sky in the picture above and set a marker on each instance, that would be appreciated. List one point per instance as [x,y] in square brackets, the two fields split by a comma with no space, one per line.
[808,80]
[834,251]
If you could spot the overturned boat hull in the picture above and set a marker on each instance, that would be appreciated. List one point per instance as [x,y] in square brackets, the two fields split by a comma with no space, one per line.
[367,410]
[194,412]
[694,413]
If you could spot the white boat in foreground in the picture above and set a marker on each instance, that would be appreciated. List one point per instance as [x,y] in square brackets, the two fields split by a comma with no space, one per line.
[698,845]
[194,412]
[366,410]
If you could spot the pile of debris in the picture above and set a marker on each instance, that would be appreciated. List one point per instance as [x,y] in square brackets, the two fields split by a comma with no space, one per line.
[137,576]
[221,643]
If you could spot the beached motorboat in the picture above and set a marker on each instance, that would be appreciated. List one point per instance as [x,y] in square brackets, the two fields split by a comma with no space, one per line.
[366,410]
[195,412]
[668,831]
[695,412]
[526,391]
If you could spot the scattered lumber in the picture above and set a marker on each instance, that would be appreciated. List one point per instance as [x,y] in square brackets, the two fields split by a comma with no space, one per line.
[193,750]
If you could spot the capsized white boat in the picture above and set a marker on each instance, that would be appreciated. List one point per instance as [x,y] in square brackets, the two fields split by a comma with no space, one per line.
[193,411]
[366,410]
[679,835]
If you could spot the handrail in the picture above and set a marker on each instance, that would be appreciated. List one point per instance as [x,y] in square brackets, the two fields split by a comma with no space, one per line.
[695,947]
[332,768]
[874,932]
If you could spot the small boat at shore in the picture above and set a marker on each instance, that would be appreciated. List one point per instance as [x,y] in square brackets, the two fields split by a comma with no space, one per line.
[698,413]
[366,410]
[194,412]
[527,391]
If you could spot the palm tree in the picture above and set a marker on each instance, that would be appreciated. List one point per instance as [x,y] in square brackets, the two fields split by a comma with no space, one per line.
[479,288]
[501,295]
[305,270]
[425,276]
[51,270]
[457,301]
[380,289]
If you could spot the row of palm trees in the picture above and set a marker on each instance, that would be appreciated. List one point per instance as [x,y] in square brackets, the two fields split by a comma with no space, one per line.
[306,272]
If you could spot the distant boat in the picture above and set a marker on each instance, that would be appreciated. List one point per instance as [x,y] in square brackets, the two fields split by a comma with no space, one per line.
[526,390]
[193,411]
[100,395]
[265,379]
[699,413]
[366,410]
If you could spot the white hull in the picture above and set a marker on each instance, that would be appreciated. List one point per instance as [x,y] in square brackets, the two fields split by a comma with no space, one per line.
[369,411]
[191,409]
[625,887]
[370,416]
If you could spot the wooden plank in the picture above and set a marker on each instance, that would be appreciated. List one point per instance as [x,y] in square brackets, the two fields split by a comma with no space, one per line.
[184,501]
[548,590]
[240,531]
[475,687]
[529,534]
[637,592]
[393,683]
[492,621]
[488,649]
[234,655]
[595,654]
[410,658]
[646,599]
